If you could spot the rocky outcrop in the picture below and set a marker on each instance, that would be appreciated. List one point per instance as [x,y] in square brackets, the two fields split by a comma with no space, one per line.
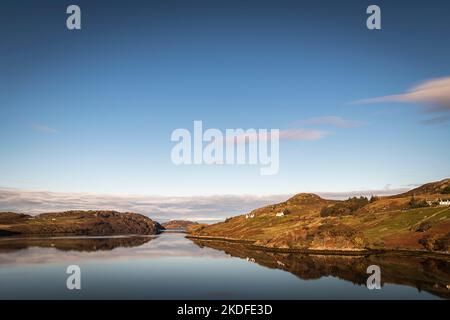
[78,223]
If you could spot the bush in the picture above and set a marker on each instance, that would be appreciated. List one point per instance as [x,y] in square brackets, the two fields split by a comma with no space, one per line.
[346,207]
[414,203]
[446,190]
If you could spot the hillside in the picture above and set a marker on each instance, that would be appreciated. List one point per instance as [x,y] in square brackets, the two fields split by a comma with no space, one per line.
[77,223]
[439,187]
[308,222]
[178,224]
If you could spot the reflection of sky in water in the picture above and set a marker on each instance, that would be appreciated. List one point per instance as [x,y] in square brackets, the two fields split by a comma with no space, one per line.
[172,245]
[168,267]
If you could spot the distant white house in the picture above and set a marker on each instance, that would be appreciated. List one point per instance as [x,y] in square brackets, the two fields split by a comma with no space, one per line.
[444,202]
[279,214]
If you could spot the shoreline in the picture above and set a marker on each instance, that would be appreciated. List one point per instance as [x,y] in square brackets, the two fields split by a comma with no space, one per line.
[337,252]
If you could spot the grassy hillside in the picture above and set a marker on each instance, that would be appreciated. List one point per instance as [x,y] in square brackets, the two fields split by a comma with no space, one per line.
[310,222]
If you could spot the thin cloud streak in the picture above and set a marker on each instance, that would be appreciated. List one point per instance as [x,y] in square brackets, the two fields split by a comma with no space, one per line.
[303,134]
[435,93]
[335,121]
[436,120]
[284,134]
[43,129]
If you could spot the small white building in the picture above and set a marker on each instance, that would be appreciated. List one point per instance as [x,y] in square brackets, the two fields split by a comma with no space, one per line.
[279,214]
[249,216]
[444,202]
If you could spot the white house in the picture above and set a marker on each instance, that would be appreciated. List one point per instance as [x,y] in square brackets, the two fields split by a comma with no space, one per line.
[279,214]
[444,202]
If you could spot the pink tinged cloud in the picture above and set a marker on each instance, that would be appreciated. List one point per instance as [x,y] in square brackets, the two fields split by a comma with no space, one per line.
[435,93]
[284,134]
[303,134]
[332,121]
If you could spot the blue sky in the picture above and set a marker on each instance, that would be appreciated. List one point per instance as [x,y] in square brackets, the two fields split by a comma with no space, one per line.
[92,110]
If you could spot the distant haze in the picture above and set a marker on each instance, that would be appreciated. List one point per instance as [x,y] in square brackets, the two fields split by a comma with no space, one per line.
[161,208]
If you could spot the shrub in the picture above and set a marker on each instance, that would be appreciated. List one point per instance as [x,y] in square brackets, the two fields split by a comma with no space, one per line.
[443,243]
[346,207]
[414,203]
[446,190]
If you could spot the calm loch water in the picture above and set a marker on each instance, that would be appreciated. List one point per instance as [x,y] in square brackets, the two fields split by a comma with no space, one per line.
[169,266]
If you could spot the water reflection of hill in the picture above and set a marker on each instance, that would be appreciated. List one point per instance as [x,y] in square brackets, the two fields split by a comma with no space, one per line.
[82,244]
[428,274]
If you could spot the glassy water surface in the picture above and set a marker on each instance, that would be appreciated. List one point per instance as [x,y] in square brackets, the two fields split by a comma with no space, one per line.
[169,266]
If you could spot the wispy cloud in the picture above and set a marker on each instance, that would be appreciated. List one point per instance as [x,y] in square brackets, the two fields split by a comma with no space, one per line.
[437,120]
[284,134]
[43,129]
[335,121]
[435,93]
[303,134]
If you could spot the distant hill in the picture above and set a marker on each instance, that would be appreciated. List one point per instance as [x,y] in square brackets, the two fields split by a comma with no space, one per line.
[410,221]
[178,224]
[77,223]
[439,187]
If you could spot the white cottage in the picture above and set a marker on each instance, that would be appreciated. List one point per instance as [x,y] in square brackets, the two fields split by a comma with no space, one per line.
[279,214]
